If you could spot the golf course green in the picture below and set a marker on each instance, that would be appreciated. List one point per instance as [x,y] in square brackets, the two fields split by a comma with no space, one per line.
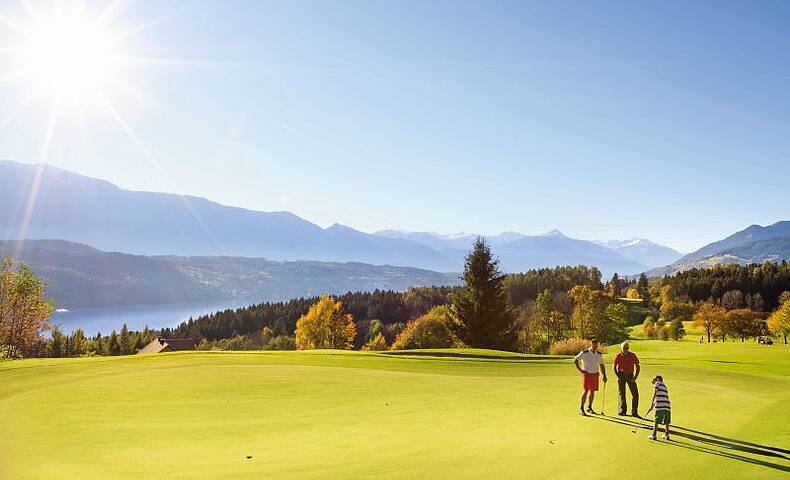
[418,414]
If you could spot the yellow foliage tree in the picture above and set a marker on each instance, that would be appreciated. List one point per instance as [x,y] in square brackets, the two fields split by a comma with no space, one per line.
[23,309]
[431,330]
[376,344]
[779,321]
[632,294]
[325,325]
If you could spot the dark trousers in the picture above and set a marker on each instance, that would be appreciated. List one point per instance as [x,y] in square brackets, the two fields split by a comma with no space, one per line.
[624,379]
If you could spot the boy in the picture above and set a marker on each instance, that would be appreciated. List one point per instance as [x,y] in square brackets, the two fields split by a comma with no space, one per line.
[661,403]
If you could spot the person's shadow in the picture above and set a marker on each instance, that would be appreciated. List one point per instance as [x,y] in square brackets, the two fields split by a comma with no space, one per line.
[706,442]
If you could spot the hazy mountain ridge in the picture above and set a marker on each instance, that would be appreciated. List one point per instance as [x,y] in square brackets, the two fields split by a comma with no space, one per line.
[81,276]
[519,252]
[644,251]
[95,212]
[754,244]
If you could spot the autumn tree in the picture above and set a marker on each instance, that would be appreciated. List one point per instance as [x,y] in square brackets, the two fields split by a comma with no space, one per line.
[432,330]
[674,310]
[649,327]
[483,316]
[597,315]
[710,317]
[632,294]
[376,343]
[24,310]
[732,299]
[779,321]
[325,325]
[740,322]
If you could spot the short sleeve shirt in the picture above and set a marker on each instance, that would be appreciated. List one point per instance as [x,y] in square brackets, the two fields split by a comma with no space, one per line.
[662,396]
[625,363]
[590,360]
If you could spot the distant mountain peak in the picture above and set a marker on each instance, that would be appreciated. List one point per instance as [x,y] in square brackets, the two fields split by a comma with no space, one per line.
[553,233]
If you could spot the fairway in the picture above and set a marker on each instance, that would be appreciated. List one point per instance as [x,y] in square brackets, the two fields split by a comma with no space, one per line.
[434,414]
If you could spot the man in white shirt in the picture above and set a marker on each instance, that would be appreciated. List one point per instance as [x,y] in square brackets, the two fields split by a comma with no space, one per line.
[588,362]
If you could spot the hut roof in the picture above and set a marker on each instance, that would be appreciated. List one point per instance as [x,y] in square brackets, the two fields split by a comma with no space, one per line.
[159,345]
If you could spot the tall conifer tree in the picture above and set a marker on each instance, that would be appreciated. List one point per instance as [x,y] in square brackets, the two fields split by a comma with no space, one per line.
[483,317]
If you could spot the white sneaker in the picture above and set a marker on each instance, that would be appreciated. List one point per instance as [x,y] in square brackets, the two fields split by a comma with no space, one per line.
[651,437]
[665,436]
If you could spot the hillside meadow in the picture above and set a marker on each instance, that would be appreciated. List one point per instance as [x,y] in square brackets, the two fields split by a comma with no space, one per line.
[416,414]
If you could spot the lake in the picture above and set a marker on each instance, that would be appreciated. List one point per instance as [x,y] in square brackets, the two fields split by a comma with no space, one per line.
[136,317]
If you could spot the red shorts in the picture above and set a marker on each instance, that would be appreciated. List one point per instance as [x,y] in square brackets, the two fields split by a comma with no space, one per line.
[590,381]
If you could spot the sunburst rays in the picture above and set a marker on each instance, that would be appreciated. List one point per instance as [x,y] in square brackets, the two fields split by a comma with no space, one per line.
[47,45]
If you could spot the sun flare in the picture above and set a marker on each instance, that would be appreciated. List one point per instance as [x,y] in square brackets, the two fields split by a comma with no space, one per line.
[70,55]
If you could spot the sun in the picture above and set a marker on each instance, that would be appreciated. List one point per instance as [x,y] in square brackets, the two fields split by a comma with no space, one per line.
[69,55]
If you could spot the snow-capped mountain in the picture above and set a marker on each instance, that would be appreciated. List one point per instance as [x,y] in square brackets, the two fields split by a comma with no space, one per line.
[643,251]
[519,252]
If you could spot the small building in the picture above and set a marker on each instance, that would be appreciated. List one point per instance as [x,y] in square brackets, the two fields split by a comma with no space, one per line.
[159,345]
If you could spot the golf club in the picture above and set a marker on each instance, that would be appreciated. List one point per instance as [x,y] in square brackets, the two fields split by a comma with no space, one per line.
[603,400]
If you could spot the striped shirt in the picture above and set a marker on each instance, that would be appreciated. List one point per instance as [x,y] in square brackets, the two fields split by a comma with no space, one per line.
[662,396]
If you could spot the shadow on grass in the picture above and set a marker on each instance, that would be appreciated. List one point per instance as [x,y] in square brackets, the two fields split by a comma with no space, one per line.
[480,356]
[729,361]
[710,440]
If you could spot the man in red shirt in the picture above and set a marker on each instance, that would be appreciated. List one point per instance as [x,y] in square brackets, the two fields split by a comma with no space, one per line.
[626,367]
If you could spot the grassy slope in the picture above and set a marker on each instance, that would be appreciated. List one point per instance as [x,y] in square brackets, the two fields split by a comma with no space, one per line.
[358,415]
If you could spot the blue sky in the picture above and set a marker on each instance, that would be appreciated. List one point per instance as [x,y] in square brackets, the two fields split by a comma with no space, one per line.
[664,120]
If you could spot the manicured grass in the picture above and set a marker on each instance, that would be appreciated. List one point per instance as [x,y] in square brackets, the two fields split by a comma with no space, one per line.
[428,414]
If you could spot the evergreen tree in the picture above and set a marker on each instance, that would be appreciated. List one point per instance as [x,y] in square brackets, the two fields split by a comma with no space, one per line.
[77,343]
[56,347]
[483,317]
[113,345]
[676,329]
[614,286]
[125,341]
[643,288]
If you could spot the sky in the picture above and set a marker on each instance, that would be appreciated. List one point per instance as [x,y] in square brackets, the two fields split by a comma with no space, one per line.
[663,120]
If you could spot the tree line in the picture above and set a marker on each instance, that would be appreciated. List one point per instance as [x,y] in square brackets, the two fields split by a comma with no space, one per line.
[528,312]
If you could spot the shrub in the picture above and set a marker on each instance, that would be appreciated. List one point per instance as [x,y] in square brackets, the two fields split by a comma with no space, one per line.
[569,346]
[282,342]
[377,343]
[392,330]
[663,332]
[676,329]
[649,327]
[432,330]
[239,342]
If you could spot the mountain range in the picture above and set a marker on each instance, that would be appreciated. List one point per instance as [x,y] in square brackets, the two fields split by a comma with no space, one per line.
[94,212]
[80,276]
[754,244]
[519,252]
[85,210]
